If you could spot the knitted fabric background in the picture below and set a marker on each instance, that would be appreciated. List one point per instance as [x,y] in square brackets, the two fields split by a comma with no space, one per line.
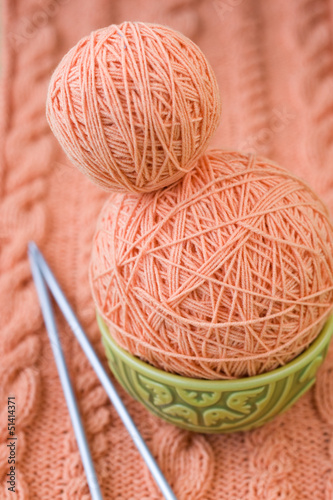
[274,63]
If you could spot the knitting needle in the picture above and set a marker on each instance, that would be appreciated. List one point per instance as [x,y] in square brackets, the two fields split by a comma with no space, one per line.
[47,311]
[101,373]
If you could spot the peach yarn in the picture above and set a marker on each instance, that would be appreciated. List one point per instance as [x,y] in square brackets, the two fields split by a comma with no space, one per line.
[134,106]
[227,273]
[267,56]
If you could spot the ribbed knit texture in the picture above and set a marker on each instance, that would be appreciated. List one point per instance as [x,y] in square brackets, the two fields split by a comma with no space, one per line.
[274,63]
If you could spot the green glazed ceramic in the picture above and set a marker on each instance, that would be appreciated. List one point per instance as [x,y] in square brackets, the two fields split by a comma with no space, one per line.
[217,406]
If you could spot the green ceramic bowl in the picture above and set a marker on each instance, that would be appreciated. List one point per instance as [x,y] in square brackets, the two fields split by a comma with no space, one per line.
[217,406]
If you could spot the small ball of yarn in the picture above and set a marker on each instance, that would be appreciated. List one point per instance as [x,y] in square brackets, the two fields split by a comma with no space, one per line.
[227,273]
[134,106]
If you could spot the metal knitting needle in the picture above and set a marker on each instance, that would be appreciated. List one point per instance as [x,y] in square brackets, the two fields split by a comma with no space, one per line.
[79,333]
[47,311]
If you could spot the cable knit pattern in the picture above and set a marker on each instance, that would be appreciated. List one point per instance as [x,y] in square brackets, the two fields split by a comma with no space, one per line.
[191,474]
[254,91]
[274,65]
[23,217]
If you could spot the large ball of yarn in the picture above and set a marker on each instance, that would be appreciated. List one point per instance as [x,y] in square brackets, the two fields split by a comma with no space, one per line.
[227,273]
[134,106]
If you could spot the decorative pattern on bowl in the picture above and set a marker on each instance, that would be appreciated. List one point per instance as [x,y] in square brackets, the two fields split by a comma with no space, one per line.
[217,406]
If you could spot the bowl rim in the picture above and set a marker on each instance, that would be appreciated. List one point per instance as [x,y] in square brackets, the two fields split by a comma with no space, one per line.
[315,348]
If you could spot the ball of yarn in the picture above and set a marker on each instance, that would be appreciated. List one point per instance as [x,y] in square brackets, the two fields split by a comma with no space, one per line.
[227,273]
[134,106]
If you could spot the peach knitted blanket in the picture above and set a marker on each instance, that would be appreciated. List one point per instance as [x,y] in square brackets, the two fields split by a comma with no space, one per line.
[274,63]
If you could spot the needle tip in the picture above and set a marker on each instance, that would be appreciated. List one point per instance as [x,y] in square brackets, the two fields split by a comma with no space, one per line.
[32,249]
[32,246]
